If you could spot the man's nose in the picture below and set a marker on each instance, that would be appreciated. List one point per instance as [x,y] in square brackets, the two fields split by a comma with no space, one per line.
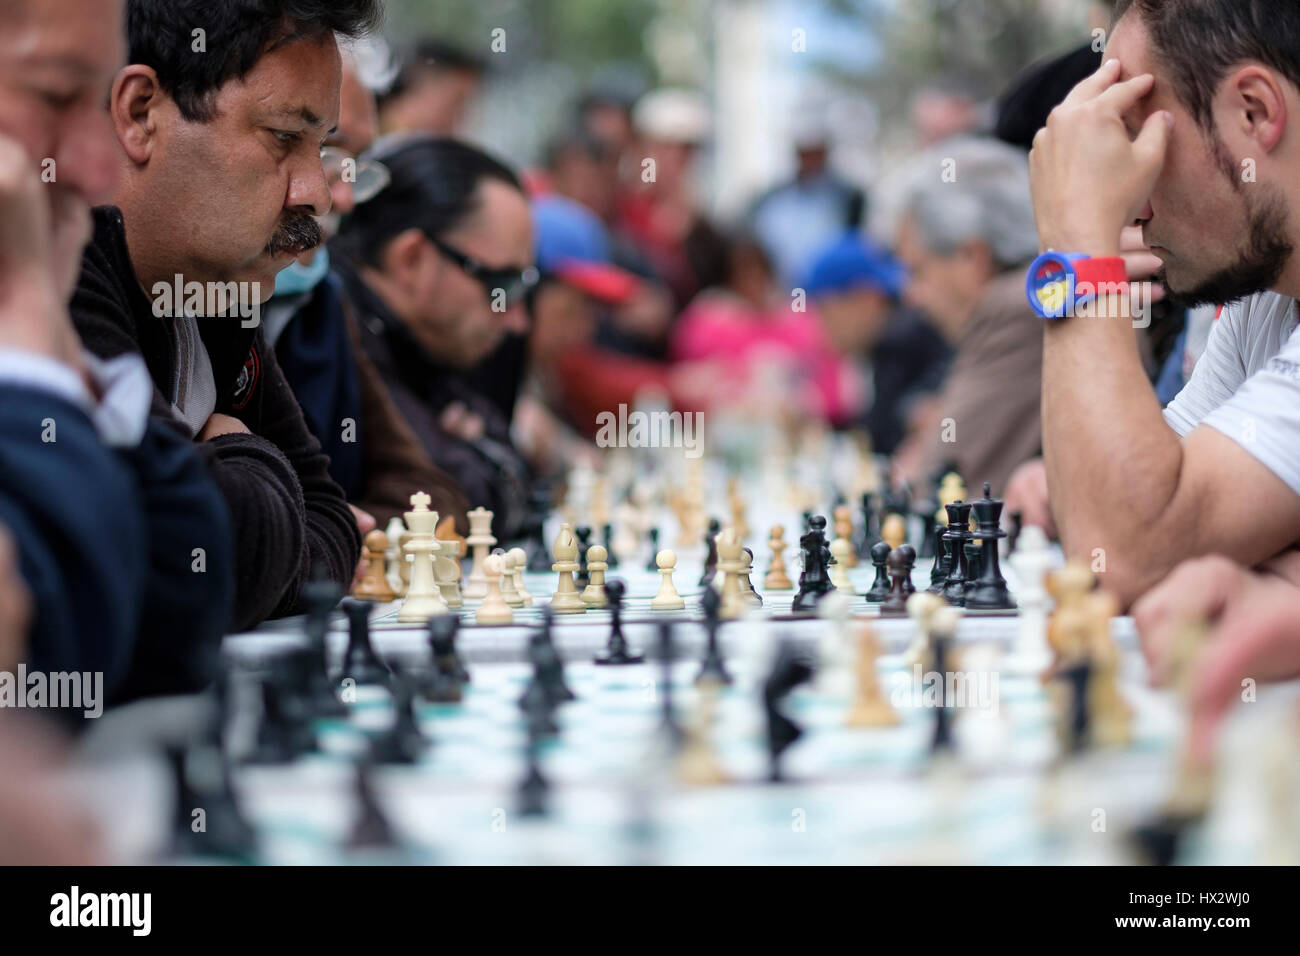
[309,190]
[515,319]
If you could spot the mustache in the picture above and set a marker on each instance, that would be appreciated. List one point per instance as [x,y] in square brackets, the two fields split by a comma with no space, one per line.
[297,233]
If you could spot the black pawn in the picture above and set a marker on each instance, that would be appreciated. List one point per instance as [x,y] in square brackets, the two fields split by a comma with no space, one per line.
[879,589]
[711,557]
[402,743]
[713,668]
[989,591]
[650,565]
[895,603]
[909,563]
[954,586]
[607,534]
[583,534]
[361,664]
[667,656]
[225,832]
[1078,678]
[371,831]
[443,629]
[549,662]
[533,789]
[616,651]
[868,531]
[321,597]
[942,737]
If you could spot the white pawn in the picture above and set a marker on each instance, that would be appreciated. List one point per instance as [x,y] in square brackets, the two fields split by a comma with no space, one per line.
[480,539]
[593,595]
[508,592]
[393,557]
[521,561]
[840,569]
[494,609]
[667,599]
[423,599]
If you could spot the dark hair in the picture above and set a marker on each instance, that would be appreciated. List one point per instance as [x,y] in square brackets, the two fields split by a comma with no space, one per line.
[573,140]
[1202,40]
[434,188]
[236,34]
[432,55]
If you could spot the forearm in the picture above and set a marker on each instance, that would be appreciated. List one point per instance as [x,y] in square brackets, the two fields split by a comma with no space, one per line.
[1113,464]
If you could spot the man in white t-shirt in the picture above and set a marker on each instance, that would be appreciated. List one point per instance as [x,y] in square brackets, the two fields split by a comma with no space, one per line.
[1196,138]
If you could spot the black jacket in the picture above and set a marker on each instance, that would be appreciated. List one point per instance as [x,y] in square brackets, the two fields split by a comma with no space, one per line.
[490,471]
[289,516]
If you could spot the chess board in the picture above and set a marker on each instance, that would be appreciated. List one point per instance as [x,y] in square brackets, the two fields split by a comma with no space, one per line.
[1003,795]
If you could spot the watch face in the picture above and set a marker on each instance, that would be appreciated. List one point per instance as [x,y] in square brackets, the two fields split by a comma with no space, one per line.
[1050,285]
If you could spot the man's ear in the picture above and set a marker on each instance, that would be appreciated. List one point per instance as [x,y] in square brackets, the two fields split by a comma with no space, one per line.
[405,258]
[1257,106]
[133,106]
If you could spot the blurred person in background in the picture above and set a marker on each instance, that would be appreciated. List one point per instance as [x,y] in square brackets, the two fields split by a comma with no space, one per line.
[659,210]
[581,167]
[943,110]
[798,218]
[855,288]
[438,265]
[433,91]
[742,337]
[572,376]
[965,241]
[374,455]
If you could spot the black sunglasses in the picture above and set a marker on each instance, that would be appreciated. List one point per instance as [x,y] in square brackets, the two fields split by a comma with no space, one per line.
[513,283]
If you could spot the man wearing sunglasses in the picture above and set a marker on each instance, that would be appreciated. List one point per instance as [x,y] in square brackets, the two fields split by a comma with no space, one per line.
[374,455]
[439,265]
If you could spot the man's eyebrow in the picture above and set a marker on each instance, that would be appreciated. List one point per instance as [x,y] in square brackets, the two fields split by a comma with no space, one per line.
[299,112]
[65,61]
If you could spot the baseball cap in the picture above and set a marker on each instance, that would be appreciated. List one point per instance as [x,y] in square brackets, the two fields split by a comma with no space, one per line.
[852,262]
[572,245]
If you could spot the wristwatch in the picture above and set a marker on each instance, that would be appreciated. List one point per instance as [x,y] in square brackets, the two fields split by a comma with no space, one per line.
[1060,282]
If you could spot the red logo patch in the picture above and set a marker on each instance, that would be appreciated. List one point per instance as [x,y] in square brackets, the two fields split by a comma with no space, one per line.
[247,381]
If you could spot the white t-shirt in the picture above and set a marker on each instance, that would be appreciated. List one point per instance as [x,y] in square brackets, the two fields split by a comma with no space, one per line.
[1247,384]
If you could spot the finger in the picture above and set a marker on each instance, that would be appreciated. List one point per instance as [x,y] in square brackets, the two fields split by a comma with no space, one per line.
[1092,86]
[1260,646]
[1132,240]
[1122,97]
[1141,265]
[1152,142]
[1195,589]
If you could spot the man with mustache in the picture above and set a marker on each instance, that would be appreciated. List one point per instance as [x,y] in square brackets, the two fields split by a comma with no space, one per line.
[1189,130]
[220,115]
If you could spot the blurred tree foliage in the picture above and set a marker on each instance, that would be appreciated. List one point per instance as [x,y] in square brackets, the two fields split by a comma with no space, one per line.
[584,35]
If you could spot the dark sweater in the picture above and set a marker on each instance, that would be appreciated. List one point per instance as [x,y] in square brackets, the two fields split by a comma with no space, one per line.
[107,543]
[491,471]
[289,516]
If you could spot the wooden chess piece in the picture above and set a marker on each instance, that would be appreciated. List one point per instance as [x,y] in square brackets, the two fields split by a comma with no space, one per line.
[752,597]
[566,600]
[777,579]
[481,540]
[521,561]
[843,528]
[374,585]
[508,593]
[494,609]
[839,571]
[593,595]
[423,599]
[895,605]
[698,764]
[667,599]
[394,559]
[871,708]
[894,531]
[731,566]
[446,571]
